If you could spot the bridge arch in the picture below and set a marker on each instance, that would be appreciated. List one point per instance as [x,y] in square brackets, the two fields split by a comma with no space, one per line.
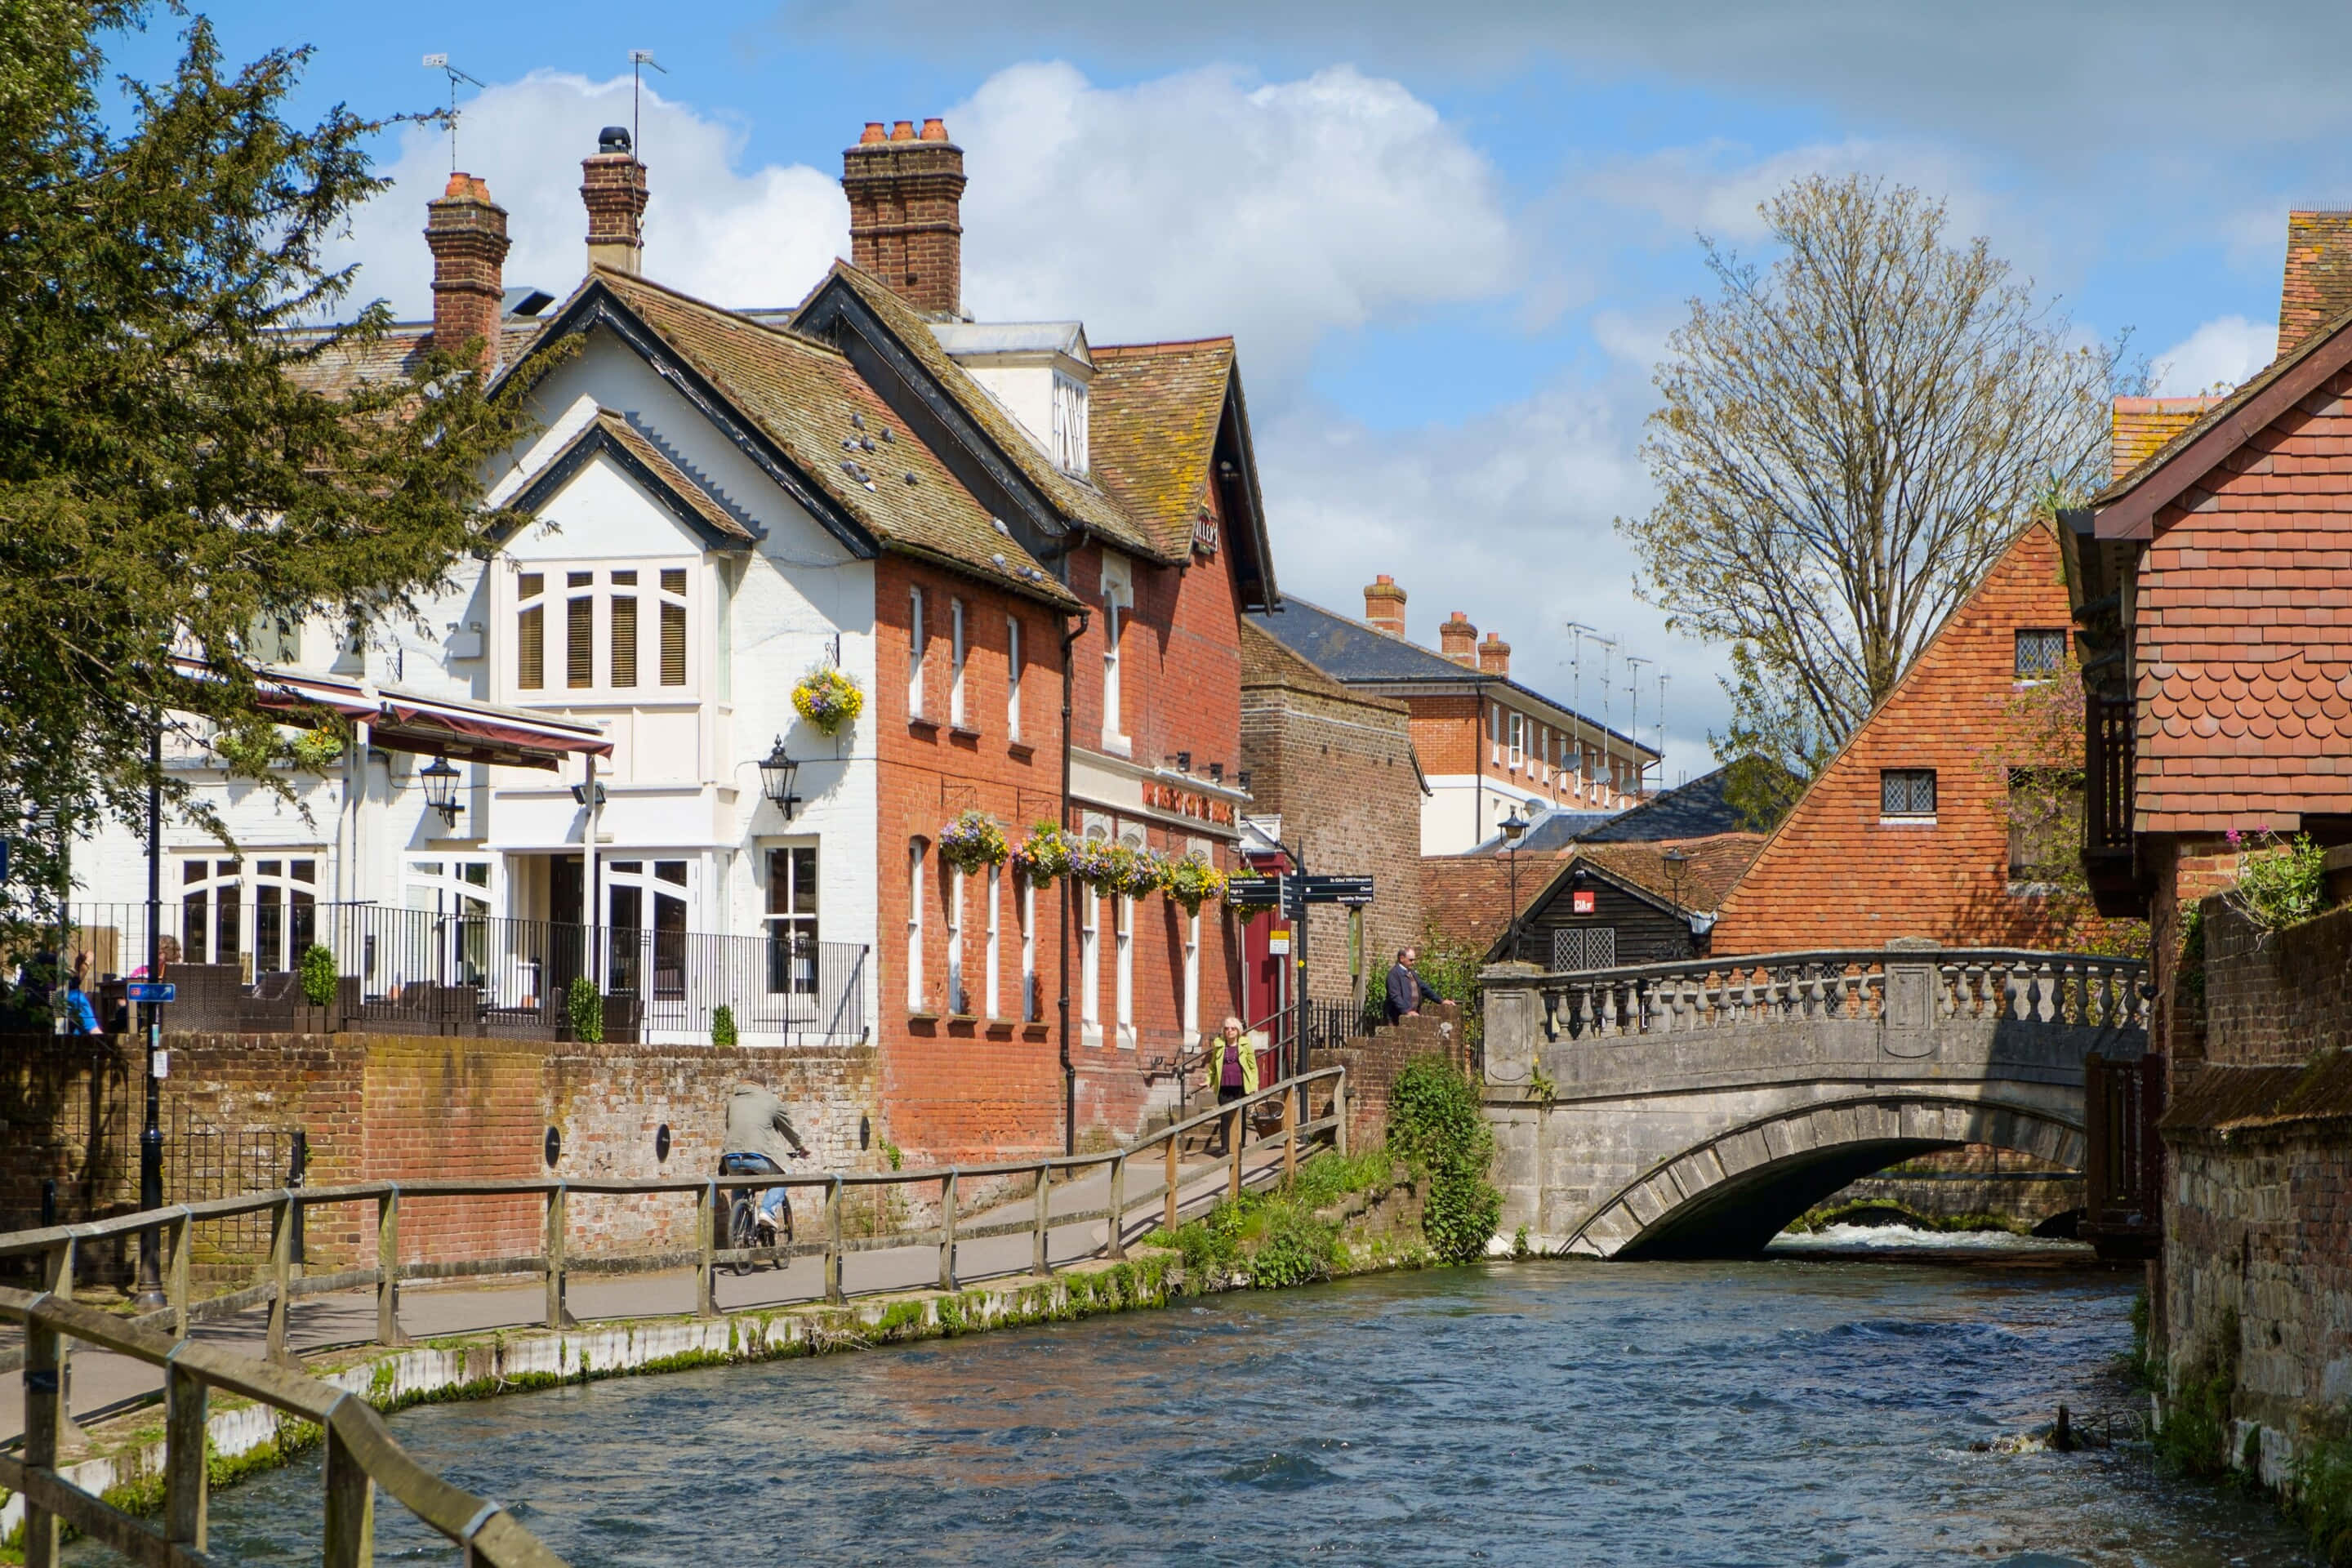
[1732,1192]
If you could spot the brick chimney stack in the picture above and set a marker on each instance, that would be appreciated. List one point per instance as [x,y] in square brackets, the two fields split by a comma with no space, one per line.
[905,212]
[1457,640]
[612,186]
[2318,274]
[1495,656]
[467,233]
[1384,605]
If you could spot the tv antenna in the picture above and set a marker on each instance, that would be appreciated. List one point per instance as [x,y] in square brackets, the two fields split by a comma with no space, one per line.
[639,60]
[1662,728]
[1633,663]
[1577,631]
[441,63]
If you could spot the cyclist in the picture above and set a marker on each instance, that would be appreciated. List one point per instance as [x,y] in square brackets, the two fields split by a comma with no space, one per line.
[760,1138]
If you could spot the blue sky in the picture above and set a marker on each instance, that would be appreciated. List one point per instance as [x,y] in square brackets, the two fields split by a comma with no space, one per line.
[1449,241]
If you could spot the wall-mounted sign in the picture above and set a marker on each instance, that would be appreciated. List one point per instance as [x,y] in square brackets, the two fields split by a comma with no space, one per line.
[153,991]
[1161,795]
[1584,900]
[1279,940]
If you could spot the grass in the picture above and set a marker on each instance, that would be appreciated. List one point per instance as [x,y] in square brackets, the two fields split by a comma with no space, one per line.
[1279,1238]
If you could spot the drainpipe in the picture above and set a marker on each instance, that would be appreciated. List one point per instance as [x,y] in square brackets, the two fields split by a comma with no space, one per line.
[1070,636]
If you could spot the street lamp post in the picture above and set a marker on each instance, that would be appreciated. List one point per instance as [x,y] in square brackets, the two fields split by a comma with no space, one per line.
[150,1136]
[1514,827]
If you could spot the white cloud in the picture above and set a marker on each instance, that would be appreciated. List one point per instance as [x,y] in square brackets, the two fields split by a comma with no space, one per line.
[2217,356]
[1199,203]
[760,238]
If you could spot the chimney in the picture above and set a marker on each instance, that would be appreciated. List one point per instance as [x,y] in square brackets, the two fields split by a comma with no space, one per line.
[906,226]
[1457,640]
[467,233]
[612,186]
[2318,275]
[1384,605]
[1495,656]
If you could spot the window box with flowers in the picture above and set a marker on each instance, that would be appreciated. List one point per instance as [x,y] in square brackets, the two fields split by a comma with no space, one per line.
[828,698]
[973,842]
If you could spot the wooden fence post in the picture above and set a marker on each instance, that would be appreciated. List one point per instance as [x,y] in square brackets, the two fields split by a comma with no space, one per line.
[705,1221]
[387,1268]
[832,1197]
[947,1231]
[1039,1260]
[178,1234]
[1170,1218]
[1339,1111]
[184,1481]
[350,1507]
[558,1227]
[57,1280]
[281,1274]
[45,1432]
[1115,1212]
[1290,1123]
[1236,1132]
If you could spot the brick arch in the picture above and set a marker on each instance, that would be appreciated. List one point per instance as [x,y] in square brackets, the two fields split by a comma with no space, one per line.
[1733,1190]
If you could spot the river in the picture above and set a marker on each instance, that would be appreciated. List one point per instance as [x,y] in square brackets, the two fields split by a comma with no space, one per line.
[1796,1410]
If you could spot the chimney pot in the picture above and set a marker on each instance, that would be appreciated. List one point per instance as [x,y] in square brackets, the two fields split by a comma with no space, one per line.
[613,187]
[2318,284]
[467,233]
[1494,655]
[1384,605]
[906,226]
[1457,640]
[872,132]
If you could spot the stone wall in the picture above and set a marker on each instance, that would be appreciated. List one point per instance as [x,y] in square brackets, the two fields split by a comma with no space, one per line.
[379,1108]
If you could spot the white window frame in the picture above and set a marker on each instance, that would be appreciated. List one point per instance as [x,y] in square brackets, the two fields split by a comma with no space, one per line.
[919,638]
[1494,735]
[916,852]
[1013,676]
[1123,935]
[959,999]
[1090,967]
[995,891]
[959,649]
[1069,419]
[1518,742]
[1027,895]
[1118,606]
[554,600]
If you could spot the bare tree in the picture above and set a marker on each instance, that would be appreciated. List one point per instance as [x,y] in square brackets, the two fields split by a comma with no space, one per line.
[1847,443]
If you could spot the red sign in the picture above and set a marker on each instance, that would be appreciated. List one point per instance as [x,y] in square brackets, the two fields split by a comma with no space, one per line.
[1584,900]
[1167,798]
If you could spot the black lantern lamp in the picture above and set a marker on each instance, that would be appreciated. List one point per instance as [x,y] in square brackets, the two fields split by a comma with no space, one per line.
[777,772]
[441,789]
[1515,826]
[1676,861]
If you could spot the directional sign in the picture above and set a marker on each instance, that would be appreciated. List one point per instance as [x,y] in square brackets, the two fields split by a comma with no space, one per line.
[153,991]
[1254,892]
[1338,890]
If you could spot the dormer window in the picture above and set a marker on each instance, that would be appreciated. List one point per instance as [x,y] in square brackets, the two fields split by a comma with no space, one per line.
[1069,423]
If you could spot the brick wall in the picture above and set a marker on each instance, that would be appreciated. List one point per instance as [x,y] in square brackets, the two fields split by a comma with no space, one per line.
[1338,769]
[2272,998]
[1836,875]
[379,1108]
[1372,1066]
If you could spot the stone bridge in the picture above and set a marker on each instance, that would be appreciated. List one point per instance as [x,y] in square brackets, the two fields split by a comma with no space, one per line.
[1693,1109]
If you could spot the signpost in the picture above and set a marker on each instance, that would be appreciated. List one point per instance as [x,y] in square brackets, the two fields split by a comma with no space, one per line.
[153,991]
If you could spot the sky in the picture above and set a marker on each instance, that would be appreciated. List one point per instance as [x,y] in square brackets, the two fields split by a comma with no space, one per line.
[1450,241]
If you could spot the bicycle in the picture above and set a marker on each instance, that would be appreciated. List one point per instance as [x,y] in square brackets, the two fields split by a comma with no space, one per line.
[744,1221]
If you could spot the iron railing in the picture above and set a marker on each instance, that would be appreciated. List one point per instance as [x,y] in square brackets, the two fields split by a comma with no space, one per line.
[2109,737]
[436,971]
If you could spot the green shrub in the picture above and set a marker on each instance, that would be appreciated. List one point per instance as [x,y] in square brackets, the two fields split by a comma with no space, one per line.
[722,1025]
[585,1009]
[1296,1248]
[317,976]
[2195,1436]
[2322,1494]
[2281,882]
[1435,1123]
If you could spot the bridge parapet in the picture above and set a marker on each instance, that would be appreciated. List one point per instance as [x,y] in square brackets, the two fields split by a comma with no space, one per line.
[1902,986]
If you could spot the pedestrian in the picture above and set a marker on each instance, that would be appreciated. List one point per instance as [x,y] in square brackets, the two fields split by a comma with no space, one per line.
[81,1019]
[1407,989]
[1232,1068]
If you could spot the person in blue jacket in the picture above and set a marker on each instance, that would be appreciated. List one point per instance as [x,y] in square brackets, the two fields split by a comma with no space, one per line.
[81,1019]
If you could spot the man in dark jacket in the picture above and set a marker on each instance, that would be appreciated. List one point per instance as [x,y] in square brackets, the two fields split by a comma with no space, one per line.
[1407,989]
[759,1139]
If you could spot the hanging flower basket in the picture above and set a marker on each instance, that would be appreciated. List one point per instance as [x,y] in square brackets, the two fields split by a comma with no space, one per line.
[1192,883]
[1136,872]
[1091,861]
[973,841]
[1044,856]
[828,699]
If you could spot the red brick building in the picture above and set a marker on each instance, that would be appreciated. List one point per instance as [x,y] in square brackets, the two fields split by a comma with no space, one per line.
[1908,832]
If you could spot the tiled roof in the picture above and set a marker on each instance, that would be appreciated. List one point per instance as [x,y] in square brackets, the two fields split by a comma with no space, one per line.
[706,506]
[1266,662]
[1463,897]
[344,366]
[1711,865]
[1077,500]
[1152,430]
[2143,426]
[1553,832]
[1695,810]
[1355,653]
[801,394]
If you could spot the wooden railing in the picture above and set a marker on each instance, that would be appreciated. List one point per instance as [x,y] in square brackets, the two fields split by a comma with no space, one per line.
[2055,988]
[361,1455]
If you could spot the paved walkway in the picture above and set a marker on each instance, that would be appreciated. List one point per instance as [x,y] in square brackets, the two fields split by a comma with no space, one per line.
[101,1384]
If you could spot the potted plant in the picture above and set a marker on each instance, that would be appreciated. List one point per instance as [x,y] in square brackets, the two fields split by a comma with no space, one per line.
[584,1011]
[1043,856]
[973,841]
[1090,861]
[1192,883]
[722,1025]
[828,698]
[1136,872]
[318,979]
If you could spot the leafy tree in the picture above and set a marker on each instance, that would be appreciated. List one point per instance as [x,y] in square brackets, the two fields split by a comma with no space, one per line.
[1846,442]
[176,461]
